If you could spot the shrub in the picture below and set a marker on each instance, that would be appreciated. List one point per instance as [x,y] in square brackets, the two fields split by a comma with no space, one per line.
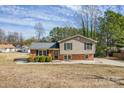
[48,59]
[42,58]
[36,59]
[30,59]
[100,51]
[85,56]
[115,54]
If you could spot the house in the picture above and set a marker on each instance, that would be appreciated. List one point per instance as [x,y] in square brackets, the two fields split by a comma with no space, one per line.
[75,47]
[7,48]
[47,49]
[18,48]
[121,55]
[25,49]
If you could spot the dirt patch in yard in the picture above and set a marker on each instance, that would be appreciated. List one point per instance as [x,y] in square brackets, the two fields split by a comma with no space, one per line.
[57,75]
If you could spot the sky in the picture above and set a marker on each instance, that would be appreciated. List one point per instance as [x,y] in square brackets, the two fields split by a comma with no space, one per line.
[23,18]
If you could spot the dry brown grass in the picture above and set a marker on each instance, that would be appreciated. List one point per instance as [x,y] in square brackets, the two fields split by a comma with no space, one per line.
[61,75]
[7,58]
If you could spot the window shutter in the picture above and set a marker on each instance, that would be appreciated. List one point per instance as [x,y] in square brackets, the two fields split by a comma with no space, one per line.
[64,46]
[84,46]
[71,46]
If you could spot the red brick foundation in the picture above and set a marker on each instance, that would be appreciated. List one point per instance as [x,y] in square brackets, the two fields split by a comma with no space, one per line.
[33,53]
[61,57]
[78,57]
[73,56]
[90,57]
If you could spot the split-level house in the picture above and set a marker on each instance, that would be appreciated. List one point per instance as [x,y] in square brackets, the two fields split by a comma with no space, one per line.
[75,47]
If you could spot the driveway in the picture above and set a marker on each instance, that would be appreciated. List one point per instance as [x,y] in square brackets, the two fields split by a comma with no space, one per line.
[109,62]
[101,61]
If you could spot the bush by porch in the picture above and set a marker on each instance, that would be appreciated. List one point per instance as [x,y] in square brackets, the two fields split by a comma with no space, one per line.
[40,59]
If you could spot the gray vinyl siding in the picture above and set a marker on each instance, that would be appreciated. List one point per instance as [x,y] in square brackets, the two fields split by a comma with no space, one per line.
[77,47]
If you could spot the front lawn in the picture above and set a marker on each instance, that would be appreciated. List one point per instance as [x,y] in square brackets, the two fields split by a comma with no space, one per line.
[59,75]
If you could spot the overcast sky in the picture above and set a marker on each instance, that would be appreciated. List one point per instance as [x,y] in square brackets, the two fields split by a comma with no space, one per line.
[23,18]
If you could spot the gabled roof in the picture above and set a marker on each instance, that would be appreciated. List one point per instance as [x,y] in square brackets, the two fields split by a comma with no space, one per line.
[78,36]
[43,45]
[6,46]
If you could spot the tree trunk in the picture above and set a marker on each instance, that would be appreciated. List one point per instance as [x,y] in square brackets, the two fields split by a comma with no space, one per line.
[87,23]
[91,28]
[94,34]
[83,28]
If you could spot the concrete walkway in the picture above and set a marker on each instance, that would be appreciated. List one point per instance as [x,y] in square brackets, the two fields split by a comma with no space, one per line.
[101,61]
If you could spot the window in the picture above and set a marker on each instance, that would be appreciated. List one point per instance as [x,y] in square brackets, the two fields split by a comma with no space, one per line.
[40,53]
[67,46]
[87,46]
[67,57]
[44,52]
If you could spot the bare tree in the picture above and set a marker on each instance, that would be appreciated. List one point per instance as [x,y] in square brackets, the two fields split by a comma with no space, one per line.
[13,37]
[39,31]
[21,39]
[89,16]
[2,36]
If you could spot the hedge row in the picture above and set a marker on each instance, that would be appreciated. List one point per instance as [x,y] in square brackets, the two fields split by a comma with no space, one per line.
[40,59]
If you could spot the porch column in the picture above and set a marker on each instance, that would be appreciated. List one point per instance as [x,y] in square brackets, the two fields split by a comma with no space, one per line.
[49,53]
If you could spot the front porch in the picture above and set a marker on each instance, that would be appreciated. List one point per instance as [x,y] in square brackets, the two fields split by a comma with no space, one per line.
[54,53]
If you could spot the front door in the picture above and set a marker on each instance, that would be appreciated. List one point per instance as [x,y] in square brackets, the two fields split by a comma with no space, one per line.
[56,54]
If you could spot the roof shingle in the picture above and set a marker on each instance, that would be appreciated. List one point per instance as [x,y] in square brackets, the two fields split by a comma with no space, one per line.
[44,45]
[6,46]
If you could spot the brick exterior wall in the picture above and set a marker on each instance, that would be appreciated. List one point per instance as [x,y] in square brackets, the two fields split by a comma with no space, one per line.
[119,55]
[33,53]
[90,57]
[61,57]
[122,54]
[78,57]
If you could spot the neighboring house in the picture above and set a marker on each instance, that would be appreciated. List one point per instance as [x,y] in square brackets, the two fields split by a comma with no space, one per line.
[18,48]
[25,49]
[121,52]
[73,48]
[7,48]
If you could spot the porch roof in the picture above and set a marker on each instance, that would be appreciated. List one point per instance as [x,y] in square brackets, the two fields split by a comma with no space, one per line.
[44,45]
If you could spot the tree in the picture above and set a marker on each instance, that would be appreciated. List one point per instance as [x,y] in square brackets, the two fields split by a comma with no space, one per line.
[13,37]
[21,39]
[39,31]
[2,36]
[111,29]
[89,16]
[59,33]
[29,41]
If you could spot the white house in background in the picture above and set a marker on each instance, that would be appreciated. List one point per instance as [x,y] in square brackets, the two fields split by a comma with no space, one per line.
[25,49]
[7,48]
[18,48]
